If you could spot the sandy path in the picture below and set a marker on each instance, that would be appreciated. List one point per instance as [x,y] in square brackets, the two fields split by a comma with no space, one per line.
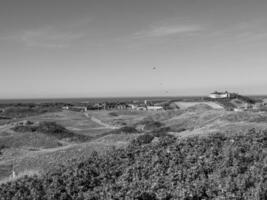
[185,105]
[5,127]
[98,121]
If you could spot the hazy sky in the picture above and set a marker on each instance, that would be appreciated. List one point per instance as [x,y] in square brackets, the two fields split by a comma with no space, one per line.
[75,48]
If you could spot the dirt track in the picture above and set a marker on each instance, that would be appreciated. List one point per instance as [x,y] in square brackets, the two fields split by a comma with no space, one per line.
[99,122]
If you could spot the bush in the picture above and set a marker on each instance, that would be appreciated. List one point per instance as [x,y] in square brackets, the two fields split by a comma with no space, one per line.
[215,167]
[162,132]
[51,129]
[2,147]
[125,129]
[150,124]
[23,129]
[24,110]
[143,139]
[113,114]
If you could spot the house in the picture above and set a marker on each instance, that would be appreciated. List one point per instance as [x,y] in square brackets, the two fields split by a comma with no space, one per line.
[264,102]
[140,108]
[115,105]
[220,95]
[131,106]
[121,106]
[154,108]
[65,108]
[96,106]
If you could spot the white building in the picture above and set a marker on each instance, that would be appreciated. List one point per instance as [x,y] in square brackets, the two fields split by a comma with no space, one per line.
[140,108]
[219,95]
[131,106]
[65,107]
[154,108]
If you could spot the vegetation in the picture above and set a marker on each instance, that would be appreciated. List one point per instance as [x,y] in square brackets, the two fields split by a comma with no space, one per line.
[143,139]
[2,147]
[113,114]
[28,109]
[125,129]
[162,132]
[150,124]
[51,129]
[216,167]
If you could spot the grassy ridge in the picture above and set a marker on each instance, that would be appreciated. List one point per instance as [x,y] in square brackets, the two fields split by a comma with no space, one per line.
[214,167]
[25,110]
[51,129]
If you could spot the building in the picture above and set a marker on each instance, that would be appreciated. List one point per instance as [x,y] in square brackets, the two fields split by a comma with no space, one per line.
[121,106]
[220,95]
[140,108]
[154,108]
[131,106]
[97,106]
[264,102]
[65,108]
[115,106]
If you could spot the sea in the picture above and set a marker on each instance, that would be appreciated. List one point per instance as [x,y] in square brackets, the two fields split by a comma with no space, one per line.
[109,99]
[94,100]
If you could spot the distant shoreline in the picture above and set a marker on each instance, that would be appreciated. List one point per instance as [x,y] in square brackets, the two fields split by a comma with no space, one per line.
[51,100]
[101,99]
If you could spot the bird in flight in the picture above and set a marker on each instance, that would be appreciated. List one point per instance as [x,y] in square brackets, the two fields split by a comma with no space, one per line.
[154,68]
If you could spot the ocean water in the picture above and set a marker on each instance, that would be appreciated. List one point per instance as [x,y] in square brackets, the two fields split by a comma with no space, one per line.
[93,100]
[108,99]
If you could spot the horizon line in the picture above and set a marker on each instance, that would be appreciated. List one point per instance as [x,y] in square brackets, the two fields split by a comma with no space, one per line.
[107,97]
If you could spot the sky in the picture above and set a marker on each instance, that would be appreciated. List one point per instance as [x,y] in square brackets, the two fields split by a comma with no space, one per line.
[107,48]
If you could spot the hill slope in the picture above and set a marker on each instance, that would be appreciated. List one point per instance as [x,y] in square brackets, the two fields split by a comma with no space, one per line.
[215,167]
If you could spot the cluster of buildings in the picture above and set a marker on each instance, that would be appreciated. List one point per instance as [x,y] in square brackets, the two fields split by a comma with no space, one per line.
[238,102]
[228,101]
[139,106]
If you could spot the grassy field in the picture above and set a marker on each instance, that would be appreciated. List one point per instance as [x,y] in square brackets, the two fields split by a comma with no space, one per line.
[185,105]
[38,152]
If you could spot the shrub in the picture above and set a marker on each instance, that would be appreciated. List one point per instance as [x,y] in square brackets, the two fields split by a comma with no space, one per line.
[24,110]
[51,129]
[2,147]
[143,139]
[215,167]
[113,114]
[161,132]
[150,124]
[128,129]
[125,129]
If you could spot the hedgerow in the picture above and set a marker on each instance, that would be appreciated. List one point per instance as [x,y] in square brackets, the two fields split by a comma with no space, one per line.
[216,167]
